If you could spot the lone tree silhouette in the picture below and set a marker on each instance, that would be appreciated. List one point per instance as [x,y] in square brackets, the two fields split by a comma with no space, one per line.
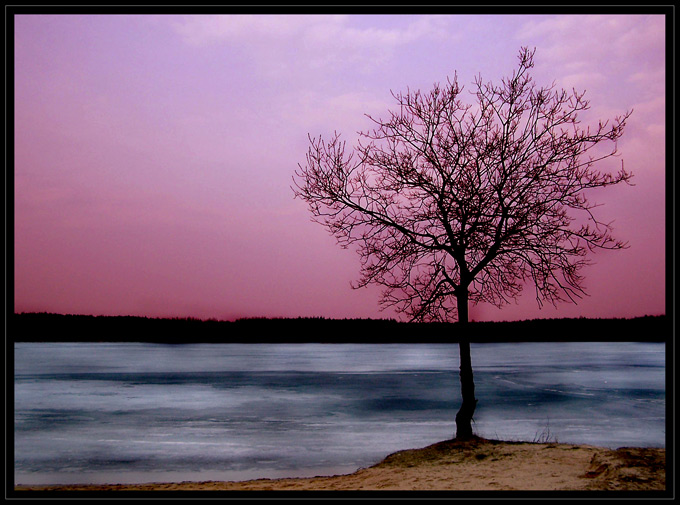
[451,203]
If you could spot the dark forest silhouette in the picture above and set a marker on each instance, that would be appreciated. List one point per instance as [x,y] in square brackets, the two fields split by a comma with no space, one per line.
[49,327]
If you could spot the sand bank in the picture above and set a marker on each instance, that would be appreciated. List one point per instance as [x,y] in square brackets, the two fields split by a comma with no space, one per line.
[476,465]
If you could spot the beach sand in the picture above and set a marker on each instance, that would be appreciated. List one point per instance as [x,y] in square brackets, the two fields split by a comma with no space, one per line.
[476,465]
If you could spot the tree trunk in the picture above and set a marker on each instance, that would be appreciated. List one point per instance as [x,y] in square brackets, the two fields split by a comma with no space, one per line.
[467,384]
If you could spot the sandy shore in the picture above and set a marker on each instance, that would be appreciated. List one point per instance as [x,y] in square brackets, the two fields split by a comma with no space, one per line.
[476,465]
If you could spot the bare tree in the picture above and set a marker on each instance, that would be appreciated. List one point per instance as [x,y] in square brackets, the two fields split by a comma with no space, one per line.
[451,203]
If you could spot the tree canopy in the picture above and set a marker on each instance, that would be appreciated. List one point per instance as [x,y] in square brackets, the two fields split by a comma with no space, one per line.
[448,201]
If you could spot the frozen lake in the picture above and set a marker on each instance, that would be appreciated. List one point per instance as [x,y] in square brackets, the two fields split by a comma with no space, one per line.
[136,412]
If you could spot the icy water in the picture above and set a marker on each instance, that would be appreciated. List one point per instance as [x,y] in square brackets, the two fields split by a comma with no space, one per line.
[136,412]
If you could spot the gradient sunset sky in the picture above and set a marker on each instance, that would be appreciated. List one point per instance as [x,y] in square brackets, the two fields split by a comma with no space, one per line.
[154,154]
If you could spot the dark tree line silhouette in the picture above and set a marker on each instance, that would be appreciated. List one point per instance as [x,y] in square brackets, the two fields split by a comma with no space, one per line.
[47,327]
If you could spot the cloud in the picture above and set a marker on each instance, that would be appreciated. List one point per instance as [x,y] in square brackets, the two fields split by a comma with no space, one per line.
[204,30]
[319,41]
[315,59]
[595,43]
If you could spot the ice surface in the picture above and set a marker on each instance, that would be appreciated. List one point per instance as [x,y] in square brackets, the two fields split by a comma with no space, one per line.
[132,412]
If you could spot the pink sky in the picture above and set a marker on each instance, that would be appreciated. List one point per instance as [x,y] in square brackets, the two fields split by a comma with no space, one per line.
[154,154]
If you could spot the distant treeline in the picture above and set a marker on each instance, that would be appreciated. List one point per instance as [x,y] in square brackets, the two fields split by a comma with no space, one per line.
[44,327]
